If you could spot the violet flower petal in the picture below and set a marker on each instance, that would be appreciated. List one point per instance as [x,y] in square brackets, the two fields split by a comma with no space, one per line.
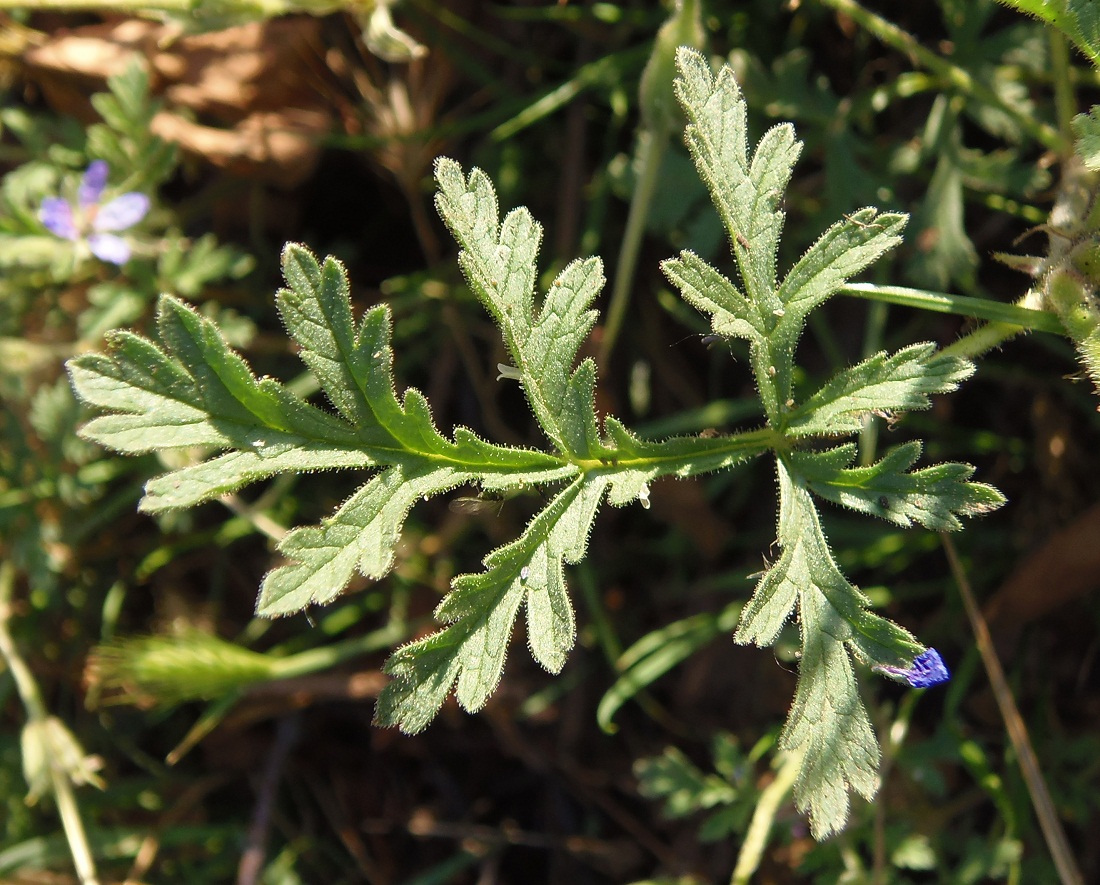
[122,212]
[108,247]
[928,669]
[56,214]
[92,185]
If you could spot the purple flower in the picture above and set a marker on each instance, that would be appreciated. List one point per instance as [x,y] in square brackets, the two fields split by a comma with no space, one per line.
[90,222]
[927,669]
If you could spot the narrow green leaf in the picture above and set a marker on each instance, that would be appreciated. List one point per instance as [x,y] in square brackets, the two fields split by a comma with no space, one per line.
[703,287]
[842,251]
[945,253]
[193,391]
[748,195]
[231,471]
[656,653]
[316,311]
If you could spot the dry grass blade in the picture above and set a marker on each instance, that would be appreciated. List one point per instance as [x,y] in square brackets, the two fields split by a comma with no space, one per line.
[1051,826]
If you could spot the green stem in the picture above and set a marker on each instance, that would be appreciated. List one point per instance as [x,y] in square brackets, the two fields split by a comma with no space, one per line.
[891,747]
[1020,316]
[326,657]
[982,340]
[771,798]
[31,696]
[20,672]
[658,118]
[69,811]
[1065,103]
[959,79]
[651,150]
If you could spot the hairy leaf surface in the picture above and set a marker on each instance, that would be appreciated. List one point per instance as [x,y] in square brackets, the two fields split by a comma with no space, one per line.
[828,724]
[934,497]
[899,382]
[189,390]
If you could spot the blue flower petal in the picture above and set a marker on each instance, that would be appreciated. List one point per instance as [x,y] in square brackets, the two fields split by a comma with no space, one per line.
[56,215]
[928,669]
[108,247]
[91,186]
[122,212]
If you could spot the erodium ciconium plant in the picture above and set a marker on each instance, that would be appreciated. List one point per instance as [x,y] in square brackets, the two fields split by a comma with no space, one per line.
[188,389]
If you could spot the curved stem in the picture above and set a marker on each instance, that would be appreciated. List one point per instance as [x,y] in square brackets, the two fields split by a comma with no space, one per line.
[651,151]
[61,784]
[771,798]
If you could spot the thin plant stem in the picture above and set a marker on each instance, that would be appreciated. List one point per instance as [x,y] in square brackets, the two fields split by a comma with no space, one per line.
[60,783]
[260,521]
[651,151]
[1023,314]
[891,745]
[763,816]
[982,340]
[328,656]
[292,666]
[1051,826]
[69,811]
[1065,102]
[658,119]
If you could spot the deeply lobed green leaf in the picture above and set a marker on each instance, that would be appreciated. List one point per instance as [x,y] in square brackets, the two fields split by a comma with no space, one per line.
[827,726]
[827,722]
[498,259]
[468,656]
[934,497]
[189,389]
